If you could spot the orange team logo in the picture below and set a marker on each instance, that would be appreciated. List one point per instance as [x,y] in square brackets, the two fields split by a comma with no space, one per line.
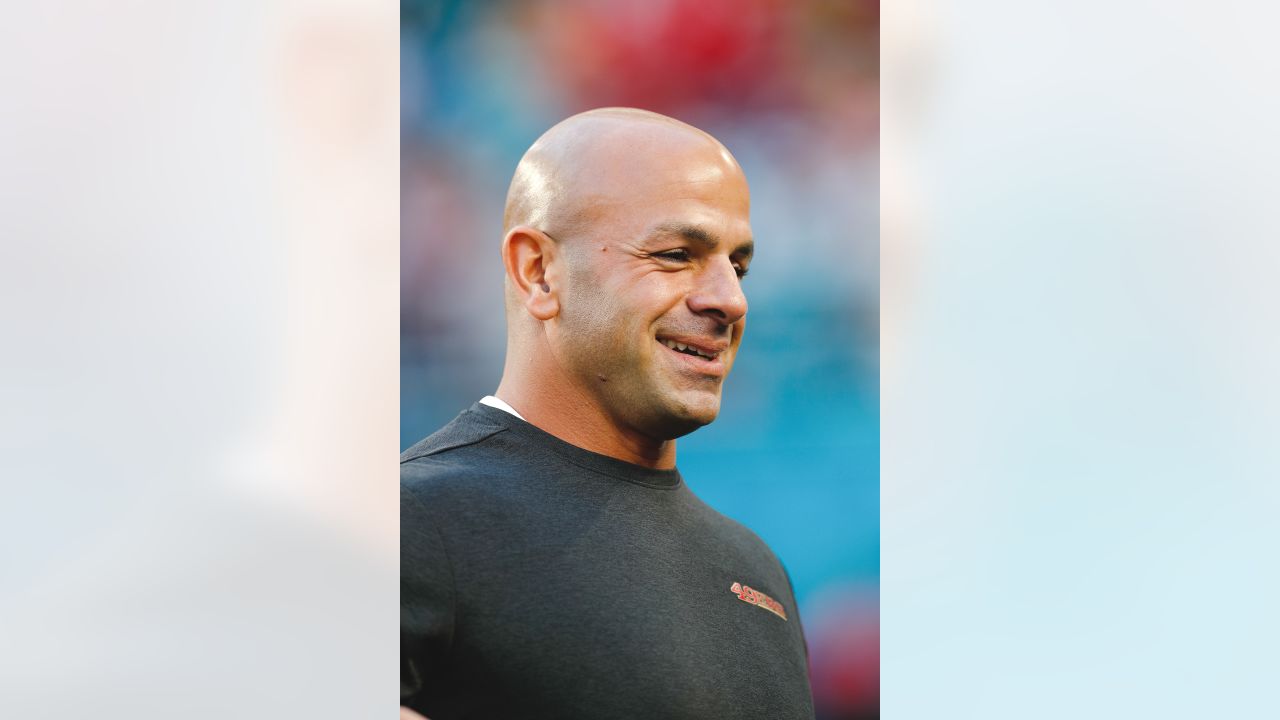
[759,599]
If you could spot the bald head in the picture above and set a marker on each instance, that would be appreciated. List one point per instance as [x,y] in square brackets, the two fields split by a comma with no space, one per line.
[627,237]
[587,165]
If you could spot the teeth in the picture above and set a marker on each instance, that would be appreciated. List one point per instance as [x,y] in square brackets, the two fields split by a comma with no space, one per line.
[681,347]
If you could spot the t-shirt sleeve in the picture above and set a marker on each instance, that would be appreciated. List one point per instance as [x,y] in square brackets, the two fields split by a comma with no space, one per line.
[791,590]
[427,601]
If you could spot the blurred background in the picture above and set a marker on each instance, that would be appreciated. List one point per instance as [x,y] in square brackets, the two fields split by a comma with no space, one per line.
[792,88]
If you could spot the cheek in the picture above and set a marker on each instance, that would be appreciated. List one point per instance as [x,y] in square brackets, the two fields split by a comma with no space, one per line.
[659,295]
[644,300]
[625,306]
[607,322]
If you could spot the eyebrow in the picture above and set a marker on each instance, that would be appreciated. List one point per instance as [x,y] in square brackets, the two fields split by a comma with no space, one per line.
[702,236]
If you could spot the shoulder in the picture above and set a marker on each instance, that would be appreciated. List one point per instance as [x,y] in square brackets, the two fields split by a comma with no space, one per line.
[724,525]
[456,462]
[468,428]
[455,446]
[746,540]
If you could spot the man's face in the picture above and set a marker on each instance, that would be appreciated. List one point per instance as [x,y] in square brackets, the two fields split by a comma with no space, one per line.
[653,311]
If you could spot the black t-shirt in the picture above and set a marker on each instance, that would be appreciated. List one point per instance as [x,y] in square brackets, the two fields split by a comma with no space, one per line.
[540,580]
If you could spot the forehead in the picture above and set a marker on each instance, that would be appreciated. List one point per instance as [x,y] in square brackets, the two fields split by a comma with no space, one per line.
[637,196]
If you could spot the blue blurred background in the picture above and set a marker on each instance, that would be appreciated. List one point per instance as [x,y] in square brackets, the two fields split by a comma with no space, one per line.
[792,88]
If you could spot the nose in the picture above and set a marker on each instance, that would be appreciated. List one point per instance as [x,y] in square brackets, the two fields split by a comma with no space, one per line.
[718,293]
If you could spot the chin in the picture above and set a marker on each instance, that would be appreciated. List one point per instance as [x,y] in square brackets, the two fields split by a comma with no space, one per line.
[688,414]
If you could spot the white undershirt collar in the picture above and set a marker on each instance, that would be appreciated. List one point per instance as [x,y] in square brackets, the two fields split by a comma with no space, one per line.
[492,401]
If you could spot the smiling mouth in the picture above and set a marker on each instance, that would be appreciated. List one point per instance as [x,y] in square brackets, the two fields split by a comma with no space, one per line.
[708,360]
[690,350]
[707,352]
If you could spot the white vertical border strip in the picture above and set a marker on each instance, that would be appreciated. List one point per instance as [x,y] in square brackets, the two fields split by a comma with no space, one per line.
[1080,406]
[199,389]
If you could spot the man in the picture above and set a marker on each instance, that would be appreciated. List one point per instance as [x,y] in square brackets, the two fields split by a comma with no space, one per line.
[553,562]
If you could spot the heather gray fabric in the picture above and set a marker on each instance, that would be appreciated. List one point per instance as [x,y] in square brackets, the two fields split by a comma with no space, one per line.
[540,580]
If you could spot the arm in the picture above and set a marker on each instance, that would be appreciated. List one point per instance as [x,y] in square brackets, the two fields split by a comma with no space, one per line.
[426,602]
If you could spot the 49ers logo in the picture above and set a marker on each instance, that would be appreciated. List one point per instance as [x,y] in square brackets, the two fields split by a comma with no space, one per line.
[759,599]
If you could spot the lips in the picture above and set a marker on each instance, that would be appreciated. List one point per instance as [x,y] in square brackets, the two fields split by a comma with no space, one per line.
[691,349]
[702,354]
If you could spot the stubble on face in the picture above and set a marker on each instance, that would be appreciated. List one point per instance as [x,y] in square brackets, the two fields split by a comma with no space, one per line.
[618,179]
[618,308]
[608,336]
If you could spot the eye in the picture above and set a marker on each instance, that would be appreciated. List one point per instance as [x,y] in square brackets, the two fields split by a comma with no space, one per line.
[678,255]
[682,255]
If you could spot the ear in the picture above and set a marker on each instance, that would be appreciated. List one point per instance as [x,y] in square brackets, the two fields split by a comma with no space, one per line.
[529,256]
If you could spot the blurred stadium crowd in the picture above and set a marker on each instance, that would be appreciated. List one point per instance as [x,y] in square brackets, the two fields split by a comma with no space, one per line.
[792,88]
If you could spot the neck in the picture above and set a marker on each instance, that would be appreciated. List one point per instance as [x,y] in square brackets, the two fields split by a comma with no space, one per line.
[553,404]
